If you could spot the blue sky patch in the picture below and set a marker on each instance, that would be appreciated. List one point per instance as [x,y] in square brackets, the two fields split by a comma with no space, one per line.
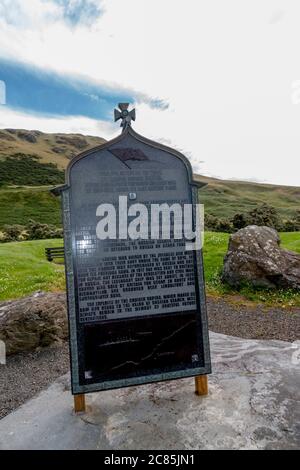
[80,11]
[34,90]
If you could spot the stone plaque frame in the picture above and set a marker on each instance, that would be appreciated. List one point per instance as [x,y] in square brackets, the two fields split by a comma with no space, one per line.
[69,247]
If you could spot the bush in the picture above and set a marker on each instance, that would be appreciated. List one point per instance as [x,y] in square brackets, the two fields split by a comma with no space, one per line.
[266,215]
[32,231]
[239,221]
[214,224]
[12,233]
[291,226]
[224,225]
[263,214]
[38,231]
[210,222]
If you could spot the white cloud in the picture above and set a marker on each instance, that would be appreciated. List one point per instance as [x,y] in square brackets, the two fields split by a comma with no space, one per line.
[27,14]
[74,124]
[224,69]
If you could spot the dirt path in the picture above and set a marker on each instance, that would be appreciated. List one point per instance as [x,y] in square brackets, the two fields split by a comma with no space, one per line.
[27,374]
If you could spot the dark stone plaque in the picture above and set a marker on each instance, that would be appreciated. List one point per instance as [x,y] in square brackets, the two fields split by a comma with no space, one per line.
[137,309]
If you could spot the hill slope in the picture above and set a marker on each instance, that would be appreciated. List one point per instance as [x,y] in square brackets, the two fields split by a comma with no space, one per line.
[225,198]
[31,161]
[50,148]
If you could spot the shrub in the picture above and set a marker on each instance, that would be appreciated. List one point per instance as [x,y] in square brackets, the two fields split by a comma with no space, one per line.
[291,225]
[38,231]
[224,225]
[12,233]
[210,222]
[267,215]
[264,214]
[32,231]
[239,221]
[214,224]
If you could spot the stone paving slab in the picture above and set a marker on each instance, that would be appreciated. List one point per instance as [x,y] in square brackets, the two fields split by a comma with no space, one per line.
[253,403]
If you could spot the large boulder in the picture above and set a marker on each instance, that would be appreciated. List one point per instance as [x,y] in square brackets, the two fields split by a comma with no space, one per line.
[31,322]
[254,256]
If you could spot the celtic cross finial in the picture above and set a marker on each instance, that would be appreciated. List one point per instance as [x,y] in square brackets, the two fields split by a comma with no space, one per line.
[125,115]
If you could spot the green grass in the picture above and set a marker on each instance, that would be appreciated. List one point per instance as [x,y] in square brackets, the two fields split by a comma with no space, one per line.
[214,249]
[24,269]
[291,241]
[19,205]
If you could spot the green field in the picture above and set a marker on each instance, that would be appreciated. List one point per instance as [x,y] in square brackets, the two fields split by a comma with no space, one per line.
[19,205]
[24,269]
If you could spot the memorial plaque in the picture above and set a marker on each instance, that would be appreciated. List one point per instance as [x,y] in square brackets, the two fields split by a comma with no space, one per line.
[136,306]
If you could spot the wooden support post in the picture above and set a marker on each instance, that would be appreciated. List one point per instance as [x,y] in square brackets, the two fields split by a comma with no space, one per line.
[79,403]
[201,385]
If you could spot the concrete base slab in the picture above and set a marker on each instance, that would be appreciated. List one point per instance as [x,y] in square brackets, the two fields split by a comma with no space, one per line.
[253,403]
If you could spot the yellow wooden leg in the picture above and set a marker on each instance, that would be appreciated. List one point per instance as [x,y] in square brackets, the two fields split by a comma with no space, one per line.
[79,403]
[201,385]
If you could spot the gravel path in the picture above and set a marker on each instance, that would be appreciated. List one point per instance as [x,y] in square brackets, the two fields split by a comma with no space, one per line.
[253,321]
[27,374]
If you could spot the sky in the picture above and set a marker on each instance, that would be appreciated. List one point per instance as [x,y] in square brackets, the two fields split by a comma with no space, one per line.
[218,80]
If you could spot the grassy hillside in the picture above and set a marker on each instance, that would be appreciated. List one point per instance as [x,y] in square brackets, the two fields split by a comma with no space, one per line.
[35,158]
[24,269]
[221,198]
[50,148]
[30,161]
[28,170]
[225,198]
[19,205]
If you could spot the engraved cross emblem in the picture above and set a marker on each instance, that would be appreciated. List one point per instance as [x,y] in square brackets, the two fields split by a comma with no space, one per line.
[125,115]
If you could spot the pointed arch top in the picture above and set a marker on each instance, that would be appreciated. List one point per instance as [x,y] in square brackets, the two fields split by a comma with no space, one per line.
[138,137]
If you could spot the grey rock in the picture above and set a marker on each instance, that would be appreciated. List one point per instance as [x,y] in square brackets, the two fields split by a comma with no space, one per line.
[253,403]
[29,136]
[255,256]
[31,322]
[74,140]
[5,136]
[58,149]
